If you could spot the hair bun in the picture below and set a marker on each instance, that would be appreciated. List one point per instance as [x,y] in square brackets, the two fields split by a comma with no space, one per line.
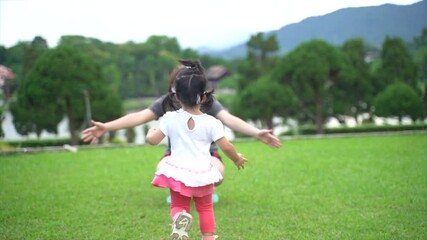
[194,65]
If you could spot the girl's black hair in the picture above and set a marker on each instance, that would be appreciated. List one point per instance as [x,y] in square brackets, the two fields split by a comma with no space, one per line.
[190,84]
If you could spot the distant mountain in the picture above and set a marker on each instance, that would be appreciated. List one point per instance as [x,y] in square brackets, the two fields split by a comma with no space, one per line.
[372,24]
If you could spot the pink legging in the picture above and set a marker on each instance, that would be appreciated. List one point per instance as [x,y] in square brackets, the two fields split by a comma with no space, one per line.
[204,207]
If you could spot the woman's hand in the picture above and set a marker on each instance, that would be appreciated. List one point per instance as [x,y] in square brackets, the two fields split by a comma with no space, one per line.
[266,136]
[93,133]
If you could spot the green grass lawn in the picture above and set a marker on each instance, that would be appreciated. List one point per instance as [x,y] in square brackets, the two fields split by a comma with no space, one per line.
[336,188]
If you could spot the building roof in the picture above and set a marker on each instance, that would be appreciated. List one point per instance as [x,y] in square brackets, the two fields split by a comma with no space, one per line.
[216,73]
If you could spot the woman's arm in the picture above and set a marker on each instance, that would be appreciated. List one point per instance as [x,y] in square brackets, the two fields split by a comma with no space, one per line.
[98,129]
[230,151]
[154,136]
[264,135]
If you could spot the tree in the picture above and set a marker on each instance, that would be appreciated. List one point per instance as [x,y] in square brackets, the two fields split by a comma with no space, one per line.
[353,93]
[420,59]
[396,65]
[260,47]
[146,67]
[311,70]
[103,54]
[264,100]
[260,58]
[53,89]
[260,97]
[21,59]
[399,100]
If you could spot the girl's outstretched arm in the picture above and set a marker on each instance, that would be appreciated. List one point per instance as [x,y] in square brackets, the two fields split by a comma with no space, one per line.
[230,151]
[98,129]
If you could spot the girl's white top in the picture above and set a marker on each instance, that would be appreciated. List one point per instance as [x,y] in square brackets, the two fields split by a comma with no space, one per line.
[190,160]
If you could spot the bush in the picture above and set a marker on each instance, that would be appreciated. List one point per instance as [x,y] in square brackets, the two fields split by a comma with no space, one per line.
[399,100]
[37,143]
[311,130]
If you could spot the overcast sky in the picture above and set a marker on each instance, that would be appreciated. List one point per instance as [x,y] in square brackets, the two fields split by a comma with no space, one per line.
[195,23]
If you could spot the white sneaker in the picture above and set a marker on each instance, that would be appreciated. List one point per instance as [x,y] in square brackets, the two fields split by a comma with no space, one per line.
[181,226]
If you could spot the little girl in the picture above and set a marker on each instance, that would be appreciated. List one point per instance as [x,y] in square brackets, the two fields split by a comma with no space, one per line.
[188,172]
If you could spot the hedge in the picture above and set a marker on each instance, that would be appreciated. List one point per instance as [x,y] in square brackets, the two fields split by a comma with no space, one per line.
[309,130]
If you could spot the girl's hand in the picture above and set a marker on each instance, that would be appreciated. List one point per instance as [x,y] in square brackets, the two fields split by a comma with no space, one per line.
[266,136]
[240,163]
[93,133]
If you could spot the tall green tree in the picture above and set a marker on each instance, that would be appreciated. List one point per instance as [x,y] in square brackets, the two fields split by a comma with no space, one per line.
[54,89]
[254,84]
[311,70]
[353,93]
[260,59]
[396,65]
[261,48]
[420,59]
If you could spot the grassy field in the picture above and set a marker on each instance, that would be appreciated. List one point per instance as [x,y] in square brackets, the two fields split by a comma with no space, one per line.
[337,188]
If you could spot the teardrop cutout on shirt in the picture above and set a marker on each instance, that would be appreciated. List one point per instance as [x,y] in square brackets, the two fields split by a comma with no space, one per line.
[190,123]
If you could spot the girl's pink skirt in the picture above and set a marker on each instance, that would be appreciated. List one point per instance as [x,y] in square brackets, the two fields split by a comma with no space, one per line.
[164,182]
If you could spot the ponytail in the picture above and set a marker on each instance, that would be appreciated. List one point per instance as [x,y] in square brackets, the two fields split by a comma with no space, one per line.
[169,103]
[207,104]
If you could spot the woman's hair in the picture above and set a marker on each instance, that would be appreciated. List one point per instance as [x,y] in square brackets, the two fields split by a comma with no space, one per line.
[190,84]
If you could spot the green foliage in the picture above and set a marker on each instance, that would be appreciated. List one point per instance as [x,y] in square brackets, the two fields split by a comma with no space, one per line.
[260,97]
[265,99]
[365,128]
[21,58]
[396,65]
[37,143]
[353,92]
[261,47]
[135,70]
[137,104]
[420,56]
[420,59]
[399,100]
[53,89]
[248,74]
[337,188]
[260,59]
[327,83]
[231,82]
[227,101]
[311,70]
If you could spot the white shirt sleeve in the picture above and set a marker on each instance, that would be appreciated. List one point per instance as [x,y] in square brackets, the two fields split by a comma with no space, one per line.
[164,122]
[217,130]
